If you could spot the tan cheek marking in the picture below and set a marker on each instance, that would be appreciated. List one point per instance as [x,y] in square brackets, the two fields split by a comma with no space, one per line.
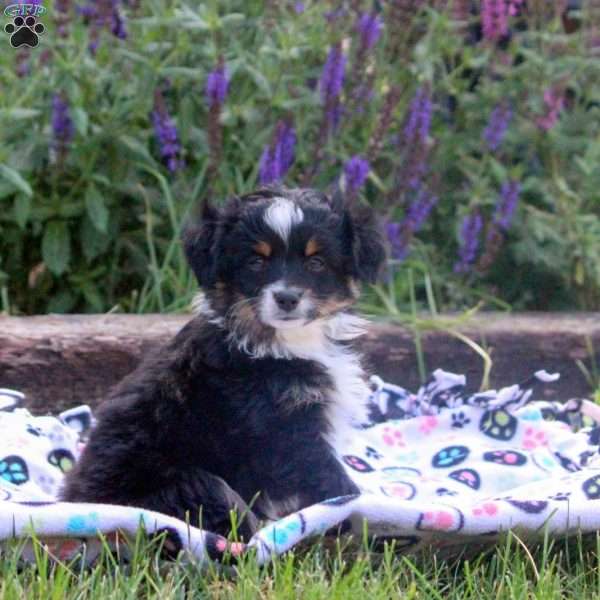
[311,247]
[263,249]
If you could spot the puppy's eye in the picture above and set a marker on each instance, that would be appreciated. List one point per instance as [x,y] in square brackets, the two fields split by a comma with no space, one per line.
[256,263]
[315,264]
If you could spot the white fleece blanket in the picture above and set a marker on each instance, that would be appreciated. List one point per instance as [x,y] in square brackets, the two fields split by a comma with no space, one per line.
[439,468]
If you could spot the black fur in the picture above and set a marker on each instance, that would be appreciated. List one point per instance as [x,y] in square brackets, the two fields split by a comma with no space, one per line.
[203,426]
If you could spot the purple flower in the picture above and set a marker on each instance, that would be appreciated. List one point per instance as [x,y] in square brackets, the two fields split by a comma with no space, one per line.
[62,125]
[398,240]
[117,25]
[103,14]
[469,241]
[507,203]
[62,17]
[278,156]
[419,209]
[369,26]
[494,19]
[299,7]
[554,100]
[217,85]
[400,233]
[166,134]
[332,77]
[496,128]
[419,116]
[356,171]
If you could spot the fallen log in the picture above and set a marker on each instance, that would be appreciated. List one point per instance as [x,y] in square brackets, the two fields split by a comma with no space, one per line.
[62,360]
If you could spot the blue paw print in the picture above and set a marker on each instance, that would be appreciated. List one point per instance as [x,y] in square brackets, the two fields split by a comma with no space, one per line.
[14,470]
[450,456]
[280,531]
[83,524]
[531,414]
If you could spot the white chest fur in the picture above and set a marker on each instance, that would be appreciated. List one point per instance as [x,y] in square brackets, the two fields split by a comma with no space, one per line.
[347,402]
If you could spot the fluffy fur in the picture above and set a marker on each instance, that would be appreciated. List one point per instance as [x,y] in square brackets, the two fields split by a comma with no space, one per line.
[242,408]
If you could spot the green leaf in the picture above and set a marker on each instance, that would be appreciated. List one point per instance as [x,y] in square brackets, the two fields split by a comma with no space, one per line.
[137,148]
[93,242]
[260,80]
[80,118]
[13,114]
[92,296]
[15,178]
[56,247]
[62,302]
[22,209]
[96,209]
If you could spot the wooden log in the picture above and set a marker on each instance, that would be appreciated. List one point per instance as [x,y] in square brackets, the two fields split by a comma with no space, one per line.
[60,361]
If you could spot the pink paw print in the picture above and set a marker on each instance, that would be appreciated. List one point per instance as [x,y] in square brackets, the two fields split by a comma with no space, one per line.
[534,438]
[428,424]
[393,437]
[486,509]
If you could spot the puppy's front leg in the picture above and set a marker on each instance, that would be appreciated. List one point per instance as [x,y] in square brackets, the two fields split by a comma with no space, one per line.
[325,477]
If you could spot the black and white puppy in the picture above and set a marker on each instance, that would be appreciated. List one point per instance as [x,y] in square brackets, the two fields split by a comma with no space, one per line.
[244,407]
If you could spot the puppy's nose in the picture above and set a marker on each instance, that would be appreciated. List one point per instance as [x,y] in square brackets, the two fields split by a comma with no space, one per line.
[287,300]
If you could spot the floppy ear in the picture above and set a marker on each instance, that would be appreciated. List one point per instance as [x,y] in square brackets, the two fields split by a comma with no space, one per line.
[368,248]
[200,244]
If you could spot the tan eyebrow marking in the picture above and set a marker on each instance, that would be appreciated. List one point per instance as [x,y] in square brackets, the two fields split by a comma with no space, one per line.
[311,247]
[262,248]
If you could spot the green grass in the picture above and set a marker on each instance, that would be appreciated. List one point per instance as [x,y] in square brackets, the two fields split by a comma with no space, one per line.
[559,569]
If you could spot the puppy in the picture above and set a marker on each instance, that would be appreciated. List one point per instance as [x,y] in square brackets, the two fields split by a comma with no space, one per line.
[244,408]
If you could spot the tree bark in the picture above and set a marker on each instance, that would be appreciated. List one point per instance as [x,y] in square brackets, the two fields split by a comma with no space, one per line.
[61,361]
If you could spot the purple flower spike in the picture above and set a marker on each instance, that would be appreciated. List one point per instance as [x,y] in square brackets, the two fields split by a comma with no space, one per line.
[299,7]
[554,101]
[332,77]
[166,134]
[398,240]
[469,242]
[356,171]
[497,126]
[278,156]
[507,203]
[419,210]
[103,14]
[369,26]
[494,19]
[217,85]
[419,116]
[62,125]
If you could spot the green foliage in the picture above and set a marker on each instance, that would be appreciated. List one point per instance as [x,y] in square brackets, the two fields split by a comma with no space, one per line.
[96,228]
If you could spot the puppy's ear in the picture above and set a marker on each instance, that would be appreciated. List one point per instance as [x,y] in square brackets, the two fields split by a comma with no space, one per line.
[368,248]
[200,244]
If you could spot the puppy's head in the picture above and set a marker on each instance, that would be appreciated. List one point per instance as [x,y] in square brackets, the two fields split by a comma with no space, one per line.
[280,258]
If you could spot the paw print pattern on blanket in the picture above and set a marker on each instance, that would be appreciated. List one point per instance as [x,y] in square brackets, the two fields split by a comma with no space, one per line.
[393,437]
[14,470]
[534,438]
[508,458]
[450,456]
[591,488]
[469,477]
[498,424]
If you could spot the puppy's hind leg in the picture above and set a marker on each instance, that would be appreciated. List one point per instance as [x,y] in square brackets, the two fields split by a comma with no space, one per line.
[206,500]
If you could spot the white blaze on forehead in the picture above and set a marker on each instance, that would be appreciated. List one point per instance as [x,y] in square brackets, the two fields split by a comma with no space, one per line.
[282,215]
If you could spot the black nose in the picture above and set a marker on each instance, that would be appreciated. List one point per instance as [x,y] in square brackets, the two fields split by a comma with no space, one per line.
[287,300]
